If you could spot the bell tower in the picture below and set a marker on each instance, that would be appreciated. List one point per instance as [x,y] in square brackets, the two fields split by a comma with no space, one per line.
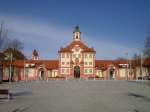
[35,55]
[76,34]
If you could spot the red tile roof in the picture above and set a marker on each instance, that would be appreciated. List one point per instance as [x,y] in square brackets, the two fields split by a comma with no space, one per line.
[49,64]
[104,63]
[54,64]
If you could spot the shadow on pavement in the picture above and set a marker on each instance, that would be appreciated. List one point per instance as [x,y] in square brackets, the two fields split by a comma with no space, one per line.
[139,96]
[23,93]
[20,110]
[14,95]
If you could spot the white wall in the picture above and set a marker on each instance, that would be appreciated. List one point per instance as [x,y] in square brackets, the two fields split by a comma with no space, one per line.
[122,72]
[99,73]
[30,72]
[54,73]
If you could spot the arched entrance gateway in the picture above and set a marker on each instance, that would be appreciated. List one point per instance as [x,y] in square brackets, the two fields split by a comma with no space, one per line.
[111,73]
[77,72]
[42,74]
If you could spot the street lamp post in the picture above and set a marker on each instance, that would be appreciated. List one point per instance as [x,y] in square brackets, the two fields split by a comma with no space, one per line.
[24,70]
[2,57]
[126,65]
[26,67]
[10,74]
[141,66]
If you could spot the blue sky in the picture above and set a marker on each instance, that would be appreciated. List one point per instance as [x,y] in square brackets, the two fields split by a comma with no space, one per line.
[112,27]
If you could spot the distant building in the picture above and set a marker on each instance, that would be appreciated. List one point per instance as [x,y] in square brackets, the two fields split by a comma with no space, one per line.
[76,60]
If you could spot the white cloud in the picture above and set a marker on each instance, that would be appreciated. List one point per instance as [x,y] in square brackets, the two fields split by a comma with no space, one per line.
[48,37]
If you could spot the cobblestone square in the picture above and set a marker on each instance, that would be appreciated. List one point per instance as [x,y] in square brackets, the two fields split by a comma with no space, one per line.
[77,96]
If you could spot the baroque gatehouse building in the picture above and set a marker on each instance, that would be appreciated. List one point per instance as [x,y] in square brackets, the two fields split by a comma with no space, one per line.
[75,60]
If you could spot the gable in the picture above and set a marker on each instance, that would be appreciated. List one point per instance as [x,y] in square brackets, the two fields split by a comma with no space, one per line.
[74,44]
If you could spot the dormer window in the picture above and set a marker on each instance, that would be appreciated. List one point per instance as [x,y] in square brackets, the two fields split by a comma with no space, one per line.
[74,55]
[77,50]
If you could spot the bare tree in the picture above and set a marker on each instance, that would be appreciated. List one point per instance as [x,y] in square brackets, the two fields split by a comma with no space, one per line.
[9,46]
[3,41]
[6,42]
[147,53]
[17,54]
[136,60]
[16,44]
[147,47]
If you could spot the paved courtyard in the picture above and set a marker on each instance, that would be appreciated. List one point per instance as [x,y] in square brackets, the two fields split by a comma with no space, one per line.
[77,96]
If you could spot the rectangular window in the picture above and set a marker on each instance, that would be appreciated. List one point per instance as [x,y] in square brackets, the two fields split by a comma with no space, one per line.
[85,70]
[67,63]
[79,55]
[63,55]
[90,55]
[67,71]
[85,63]
[63,63]
[49,73]
[62,70]
[90,70]
[76,50]
[74,55]
[90,63]
[85,55]
[67,55]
